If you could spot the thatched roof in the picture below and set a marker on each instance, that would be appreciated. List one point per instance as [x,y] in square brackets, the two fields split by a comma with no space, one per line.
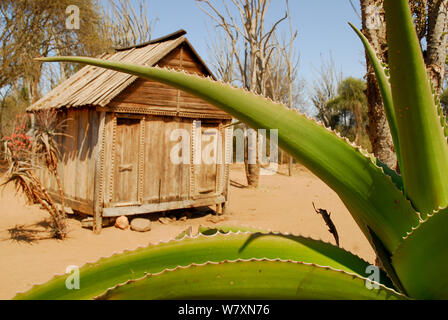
[93,86]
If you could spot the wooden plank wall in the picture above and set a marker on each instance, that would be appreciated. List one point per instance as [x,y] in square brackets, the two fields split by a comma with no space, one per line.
[206,173]
[109,151]
[163,98]
[187,102]
[77,164]
[163,180]
[126,171]
[148,94]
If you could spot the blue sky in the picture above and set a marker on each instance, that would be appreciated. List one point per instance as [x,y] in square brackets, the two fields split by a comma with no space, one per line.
[322,27]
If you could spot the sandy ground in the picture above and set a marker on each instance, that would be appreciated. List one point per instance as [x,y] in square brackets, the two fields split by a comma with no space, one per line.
[281,203]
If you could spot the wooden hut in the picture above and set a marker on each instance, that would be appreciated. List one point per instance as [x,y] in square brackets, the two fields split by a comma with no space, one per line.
[116,155]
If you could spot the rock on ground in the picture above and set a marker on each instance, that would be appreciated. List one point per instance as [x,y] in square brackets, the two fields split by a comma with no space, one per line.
[141,225]
[122,223]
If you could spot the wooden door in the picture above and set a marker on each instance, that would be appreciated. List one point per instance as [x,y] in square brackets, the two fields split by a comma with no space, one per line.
[126,162]
[206,172]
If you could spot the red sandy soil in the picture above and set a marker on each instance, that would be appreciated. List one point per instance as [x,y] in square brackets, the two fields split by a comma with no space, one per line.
[281,203]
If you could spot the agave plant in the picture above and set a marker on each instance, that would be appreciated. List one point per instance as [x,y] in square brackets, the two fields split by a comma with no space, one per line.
[405,217]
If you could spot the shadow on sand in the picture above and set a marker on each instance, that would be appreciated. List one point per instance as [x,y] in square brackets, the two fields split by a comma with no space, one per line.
[30,233]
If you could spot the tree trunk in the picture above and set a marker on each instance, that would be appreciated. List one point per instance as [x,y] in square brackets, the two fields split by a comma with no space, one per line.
[252,164]
[290,166]
[437,41]
[251,158]
[373,27]
[357,111]
[2,108]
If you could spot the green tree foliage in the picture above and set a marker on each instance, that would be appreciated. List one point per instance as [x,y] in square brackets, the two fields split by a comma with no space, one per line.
[39,28]
[348,111]
[352,97]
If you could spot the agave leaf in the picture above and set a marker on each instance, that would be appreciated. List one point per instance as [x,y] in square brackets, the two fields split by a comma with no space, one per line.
[395,177]
[423,146]
[253,279]
[386,92]
[382,253]
[375,201]
[98,277]
[421,260]
[385,257]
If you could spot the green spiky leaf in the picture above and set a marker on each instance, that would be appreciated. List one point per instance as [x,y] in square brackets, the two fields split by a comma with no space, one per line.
[386,93]
[98,277]
[423,146]
[252,279]
[422,259]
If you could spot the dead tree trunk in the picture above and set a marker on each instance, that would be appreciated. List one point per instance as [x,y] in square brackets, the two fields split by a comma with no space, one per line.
[245,28]
[437,41]
[373,27]
[431,20]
